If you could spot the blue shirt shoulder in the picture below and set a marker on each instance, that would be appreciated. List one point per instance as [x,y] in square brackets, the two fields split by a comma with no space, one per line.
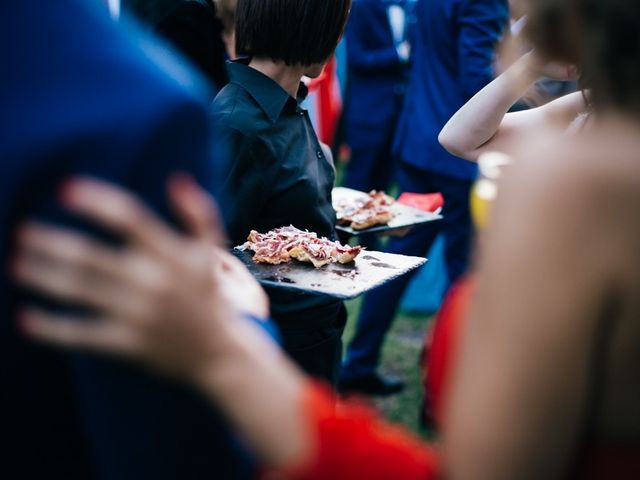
[82,95]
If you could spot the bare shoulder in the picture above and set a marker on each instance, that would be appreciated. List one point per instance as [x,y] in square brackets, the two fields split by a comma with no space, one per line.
[581,190]
[596,169]
[566,220]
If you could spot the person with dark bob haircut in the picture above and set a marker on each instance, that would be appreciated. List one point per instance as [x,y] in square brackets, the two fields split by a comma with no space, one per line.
[279,173]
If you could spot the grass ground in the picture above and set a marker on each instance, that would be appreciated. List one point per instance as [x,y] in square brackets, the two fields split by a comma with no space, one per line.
[400,358]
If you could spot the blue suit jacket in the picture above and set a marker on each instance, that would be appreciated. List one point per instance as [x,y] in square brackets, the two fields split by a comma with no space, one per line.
[376,76]
[453,55]
[83,96]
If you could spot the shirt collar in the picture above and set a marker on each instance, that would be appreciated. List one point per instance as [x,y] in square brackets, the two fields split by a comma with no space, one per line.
[271,97]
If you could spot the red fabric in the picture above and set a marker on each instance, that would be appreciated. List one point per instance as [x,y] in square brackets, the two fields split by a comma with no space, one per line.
[329,102]
[428,202]
[444,344]
[352,442]
[612,462]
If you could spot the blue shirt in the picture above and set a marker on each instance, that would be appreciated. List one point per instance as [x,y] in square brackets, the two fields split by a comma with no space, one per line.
[452,59]
[83,96]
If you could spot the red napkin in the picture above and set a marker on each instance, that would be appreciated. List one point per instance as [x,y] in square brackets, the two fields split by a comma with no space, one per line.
[429,202]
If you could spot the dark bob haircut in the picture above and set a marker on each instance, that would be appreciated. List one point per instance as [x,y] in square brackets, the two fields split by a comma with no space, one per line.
[297,32]
[602,37]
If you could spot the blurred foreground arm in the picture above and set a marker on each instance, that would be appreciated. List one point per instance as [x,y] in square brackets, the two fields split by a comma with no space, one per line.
[172,302]
[176,304]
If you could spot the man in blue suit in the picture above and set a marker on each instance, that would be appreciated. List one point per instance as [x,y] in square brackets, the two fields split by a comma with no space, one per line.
[83,96]
[377,59]
[453,55]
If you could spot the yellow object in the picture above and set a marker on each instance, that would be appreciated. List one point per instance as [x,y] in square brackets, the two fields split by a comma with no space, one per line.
[485,189]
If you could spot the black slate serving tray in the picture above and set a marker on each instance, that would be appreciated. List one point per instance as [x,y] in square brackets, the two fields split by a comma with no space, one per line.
[403,215]
[370,270]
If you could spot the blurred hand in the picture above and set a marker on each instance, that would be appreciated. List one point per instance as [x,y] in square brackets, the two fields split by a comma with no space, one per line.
[166,299]
[560,71]
[553,70]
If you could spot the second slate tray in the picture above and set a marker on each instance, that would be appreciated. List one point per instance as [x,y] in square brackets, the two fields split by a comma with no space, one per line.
[403,215]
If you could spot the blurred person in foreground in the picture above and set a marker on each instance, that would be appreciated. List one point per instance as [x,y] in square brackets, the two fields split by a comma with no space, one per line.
[82,95]
[546,385]
[279,173]
[453,54]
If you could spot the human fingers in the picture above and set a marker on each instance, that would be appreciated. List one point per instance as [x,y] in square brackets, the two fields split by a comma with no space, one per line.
[196,209]
[241,288]
[104,335]
[119,211]
[229,263]
[573,72]
[65,282]
[69,267]
[66,247]
[560,71]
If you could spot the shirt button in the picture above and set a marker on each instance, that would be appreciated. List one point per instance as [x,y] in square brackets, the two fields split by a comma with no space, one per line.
[319,154]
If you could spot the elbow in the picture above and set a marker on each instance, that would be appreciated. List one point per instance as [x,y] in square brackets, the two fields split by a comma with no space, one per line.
[449,142]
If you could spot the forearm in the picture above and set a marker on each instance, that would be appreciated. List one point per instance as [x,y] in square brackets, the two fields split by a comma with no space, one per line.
[293,426]
[479,120]
[260,392]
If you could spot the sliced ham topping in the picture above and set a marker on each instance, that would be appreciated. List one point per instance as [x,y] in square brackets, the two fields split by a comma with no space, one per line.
[284,244]
[366,211]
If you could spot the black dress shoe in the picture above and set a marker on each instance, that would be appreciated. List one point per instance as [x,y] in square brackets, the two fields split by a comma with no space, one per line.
[373,384]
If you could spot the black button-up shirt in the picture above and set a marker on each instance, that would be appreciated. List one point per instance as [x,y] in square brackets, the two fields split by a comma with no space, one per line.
[278,173]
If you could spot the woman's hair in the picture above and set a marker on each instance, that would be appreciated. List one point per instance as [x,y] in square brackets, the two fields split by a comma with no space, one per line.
[298,32]
[602,37]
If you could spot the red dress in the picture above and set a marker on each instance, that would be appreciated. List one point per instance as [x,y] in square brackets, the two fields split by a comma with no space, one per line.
[352,442]
[443,347]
